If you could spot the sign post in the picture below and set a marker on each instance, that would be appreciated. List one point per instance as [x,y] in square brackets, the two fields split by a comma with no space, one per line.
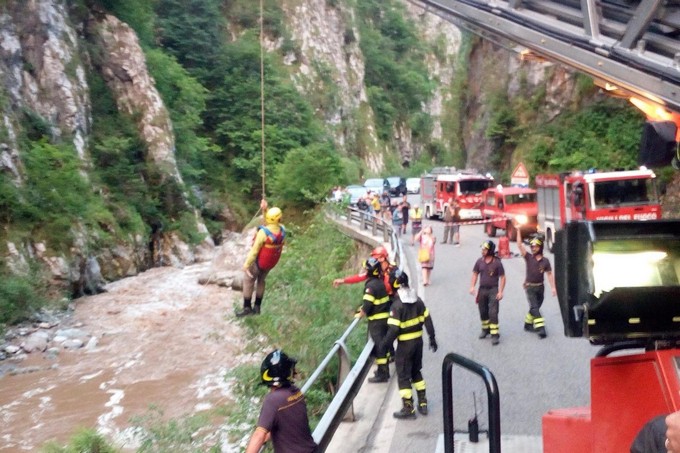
[520,176]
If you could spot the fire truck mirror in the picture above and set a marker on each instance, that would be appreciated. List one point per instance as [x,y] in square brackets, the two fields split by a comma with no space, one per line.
[619,280]
[658,147]
[578,196]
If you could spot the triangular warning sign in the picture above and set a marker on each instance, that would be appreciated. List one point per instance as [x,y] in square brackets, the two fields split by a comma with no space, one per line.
[520,172]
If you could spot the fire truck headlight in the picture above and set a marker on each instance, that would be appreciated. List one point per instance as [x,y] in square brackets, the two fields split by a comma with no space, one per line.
[636,269]
[521,219]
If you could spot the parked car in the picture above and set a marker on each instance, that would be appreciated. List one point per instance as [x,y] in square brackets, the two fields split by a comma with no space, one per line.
[377,185]
[397,186]
[355,192]
[413,185]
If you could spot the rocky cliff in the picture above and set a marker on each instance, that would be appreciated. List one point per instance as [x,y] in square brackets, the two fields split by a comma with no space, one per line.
[51,51]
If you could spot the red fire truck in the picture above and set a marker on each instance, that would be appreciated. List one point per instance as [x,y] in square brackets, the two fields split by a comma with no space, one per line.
[618,195]
[510,209]
[444,183]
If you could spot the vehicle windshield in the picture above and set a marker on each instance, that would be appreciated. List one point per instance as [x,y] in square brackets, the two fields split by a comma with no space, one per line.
[374,182]
[474,186]
[625,192]
[520,198]
[394,181]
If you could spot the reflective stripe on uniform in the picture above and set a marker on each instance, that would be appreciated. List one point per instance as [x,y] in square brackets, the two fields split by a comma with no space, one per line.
[382,315]
[410,336]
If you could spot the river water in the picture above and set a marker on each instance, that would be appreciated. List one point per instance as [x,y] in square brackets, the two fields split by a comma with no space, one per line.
[162,339]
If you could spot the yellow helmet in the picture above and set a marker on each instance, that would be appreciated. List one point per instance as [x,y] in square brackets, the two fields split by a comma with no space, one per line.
[273,215]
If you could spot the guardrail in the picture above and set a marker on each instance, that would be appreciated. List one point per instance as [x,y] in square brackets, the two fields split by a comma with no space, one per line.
[493,398]
[351,379]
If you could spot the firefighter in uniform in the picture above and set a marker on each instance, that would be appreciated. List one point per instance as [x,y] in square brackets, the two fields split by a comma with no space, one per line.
[283,417]
[263,256]
[491,275]
[537,266]
[407,317]
[376,306]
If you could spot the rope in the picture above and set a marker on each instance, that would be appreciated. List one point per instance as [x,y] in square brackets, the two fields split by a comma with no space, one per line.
[262,94]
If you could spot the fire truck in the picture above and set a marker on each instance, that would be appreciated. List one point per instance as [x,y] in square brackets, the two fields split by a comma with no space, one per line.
[618,195]
[510,209]
[443,184]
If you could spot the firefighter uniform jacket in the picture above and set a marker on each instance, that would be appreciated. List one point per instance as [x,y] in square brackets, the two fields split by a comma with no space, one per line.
[376,301]
[407,317]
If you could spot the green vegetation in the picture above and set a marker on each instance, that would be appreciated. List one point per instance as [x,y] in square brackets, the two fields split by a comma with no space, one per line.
[85,441]
[396,76]
[305,320]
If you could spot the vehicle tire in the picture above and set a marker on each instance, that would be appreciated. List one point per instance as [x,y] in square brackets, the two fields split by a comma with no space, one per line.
[511,232]
[490,230]
[549,240]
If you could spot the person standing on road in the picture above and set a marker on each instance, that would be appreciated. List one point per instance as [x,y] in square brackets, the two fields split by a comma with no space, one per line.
[448,222]
[408,315]
[376,308]
[491,274]
[283,417]
[385,206]
[416,215]
[426,252]
[263,256]
[455,229]
[375,203]
[397,220]
[405,209]
[379,253]
[537,266]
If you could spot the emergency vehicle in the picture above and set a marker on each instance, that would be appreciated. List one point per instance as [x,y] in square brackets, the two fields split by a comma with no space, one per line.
[618,195]
[445,183]
[510,209]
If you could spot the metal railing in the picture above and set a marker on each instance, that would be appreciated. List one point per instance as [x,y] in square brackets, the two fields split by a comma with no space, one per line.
[493,399]
[350,378]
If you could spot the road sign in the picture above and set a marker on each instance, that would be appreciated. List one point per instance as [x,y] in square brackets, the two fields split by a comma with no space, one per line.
[520,176]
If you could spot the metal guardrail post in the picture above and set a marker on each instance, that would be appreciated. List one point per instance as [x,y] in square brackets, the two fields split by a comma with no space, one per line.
[493,398]
[323,434]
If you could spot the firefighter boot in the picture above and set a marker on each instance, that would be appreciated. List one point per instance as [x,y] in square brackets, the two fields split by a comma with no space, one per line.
[528,327]
[422,402]
[495,339]
[382,374]
[484,334]
[407,411]
[541,332]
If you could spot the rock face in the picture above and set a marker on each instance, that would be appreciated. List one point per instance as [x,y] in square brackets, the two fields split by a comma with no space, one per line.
[43,67]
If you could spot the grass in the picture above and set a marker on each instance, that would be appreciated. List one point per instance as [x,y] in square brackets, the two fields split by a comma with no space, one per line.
[302,314]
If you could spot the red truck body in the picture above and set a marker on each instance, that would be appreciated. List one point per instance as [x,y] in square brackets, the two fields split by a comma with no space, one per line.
[617,195]
[510,209]
[443,184]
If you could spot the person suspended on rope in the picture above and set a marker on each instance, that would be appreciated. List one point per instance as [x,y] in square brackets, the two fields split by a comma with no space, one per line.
[263,256]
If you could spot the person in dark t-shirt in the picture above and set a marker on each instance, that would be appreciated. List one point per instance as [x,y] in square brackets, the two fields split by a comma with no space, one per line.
[283,417]
[537,266]
[491,274]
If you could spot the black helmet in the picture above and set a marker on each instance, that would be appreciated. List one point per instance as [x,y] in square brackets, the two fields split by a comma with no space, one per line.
[372,267]
[490,246]
[277,369]
[399,278]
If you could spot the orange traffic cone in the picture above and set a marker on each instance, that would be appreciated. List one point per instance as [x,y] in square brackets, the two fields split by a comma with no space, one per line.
[504,247]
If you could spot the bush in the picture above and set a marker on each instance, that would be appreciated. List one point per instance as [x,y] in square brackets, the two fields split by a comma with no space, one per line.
[307,175]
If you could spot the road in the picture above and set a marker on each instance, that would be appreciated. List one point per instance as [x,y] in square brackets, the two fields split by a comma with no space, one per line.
[533,375]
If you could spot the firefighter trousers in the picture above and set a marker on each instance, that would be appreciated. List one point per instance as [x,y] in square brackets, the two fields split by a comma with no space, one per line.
[377,329]
[409,362]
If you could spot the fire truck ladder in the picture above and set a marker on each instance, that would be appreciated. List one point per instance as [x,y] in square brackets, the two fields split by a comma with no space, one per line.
[630,47]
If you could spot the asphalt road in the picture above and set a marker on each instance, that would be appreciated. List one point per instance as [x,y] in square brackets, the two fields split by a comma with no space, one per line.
[533,375]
